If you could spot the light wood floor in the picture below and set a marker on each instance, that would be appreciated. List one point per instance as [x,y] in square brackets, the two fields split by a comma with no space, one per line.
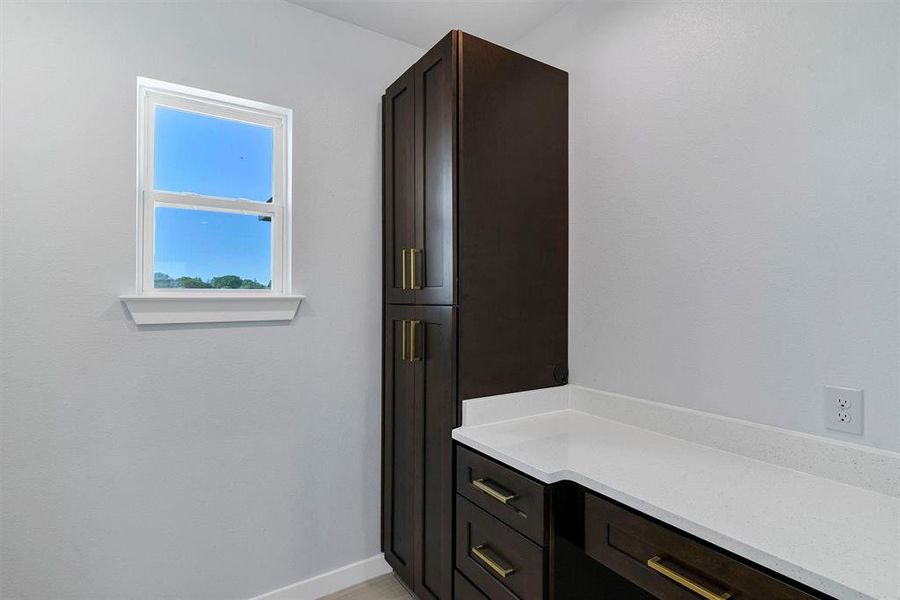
[386,587]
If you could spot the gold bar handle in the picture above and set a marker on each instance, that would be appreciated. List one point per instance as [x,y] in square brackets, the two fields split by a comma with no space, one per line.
[494,493]
[655,563]
[403,265]
[412,269]
[413,325]
[403,338]
[494,565]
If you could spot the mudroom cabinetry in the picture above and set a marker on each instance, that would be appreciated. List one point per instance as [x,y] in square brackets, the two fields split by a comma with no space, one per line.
[475,270]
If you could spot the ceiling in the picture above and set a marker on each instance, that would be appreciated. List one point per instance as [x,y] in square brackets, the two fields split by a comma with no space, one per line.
[423,22]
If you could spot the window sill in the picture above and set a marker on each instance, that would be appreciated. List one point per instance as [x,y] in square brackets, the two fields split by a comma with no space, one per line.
[206,308]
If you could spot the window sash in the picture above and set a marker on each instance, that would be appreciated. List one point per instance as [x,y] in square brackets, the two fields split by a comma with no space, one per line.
[152,94]
[202,202]
[214,109]
[155,199]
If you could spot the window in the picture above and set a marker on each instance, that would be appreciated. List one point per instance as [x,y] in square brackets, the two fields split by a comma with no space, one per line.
[213,196]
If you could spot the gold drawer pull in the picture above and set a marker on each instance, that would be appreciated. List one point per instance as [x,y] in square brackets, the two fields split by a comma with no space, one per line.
[494,565]
[403,265]
[655,563]
[494,493]
[413,325]
[412,269]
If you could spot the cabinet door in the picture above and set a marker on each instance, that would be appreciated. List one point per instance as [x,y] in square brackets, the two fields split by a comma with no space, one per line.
[419,413]
[399,163]
[433,261]
[435,346]
[399,468]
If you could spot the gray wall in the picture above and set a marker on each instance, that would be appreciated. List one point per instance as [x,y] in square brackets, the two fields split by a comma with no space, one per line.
[735,240]
[185,461]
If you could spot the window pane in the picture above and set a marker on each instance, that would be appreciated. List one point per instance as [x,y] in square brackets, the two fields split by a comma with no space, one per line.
[211,156]
[209,249]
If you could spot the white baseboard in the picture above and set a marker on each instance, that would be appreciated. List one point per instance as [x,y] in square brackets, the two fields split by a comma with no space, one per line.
[332,581]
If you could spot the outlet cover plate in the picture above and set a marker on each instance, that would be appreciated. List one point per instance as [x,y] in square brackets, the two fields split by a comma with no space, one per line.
[843,409]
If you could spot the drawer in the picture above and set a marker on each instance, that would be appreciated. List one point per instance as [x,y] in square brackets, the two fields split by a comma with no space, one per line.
[518,501]
[669,564]
[502,563]
[464,590]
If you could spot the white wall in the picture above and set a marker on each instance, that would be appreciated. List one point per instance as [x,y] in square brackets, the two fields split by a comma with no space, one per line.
[735,240]
[184,461]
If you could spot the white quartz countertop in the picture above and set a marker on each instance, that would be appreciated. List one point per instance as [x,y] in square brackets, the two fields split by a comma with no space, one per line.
[837,538]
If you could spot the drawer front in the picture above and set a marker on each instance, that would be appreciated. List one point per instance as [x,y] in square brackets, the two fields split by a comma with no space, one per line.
[501,562]
[513,498]
[669,564]
[464,590]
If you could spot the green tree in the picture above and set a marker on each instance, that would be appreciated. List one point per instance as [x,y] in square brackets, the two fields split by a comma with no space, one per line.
[252,284]
[227,281]
[162,280]
[191,282]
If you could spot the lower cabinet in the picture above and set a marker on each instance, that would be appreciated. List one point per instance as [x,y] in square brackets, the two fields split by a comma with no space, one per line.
[419,413]
[519,539]
[669,564]
[500,561]
[502,517]
[520,502]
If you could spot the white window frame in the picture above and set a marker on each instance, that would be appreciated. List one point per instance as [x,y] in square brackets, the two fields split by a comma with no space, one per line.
[153,93]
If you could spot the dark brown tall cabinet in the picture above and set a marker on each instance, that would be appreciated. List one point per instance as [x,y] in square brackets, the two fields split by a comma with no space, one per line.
[475,271]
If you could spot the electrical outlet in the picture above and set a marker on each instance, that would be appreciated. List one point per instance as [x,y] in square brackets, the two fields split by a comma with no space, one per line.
[843,409]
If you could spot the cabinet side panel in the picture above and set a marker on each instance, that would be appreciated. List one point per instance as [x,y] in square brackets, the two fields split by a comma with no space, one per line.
[513,221]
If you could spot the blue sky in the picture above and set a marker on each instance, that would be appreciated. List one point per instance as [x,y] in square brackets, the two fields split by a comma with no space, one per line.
[215,157]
